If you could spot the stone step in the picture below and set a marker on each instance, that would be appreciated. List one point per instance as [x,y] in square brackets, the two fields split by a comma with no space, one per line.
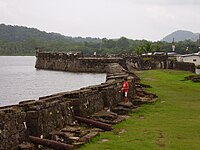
[104,114]
[26,146]
[138,86]
[88,137]
[150,95]
[139,90]
[115,121]
[78,144]
[71,129]
[142,85]
[140,94]
[70,135]
[60,136]
[143,100]
[120,110]
[119,119]
[126,105]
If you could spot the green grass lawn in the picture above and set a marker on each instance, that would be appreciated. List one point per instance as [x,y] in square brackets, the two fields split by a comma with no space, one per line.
[172,123]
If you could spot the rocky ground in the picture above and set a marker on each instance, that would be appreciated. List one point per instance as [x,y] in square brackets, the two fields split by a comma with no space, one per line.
[194,78]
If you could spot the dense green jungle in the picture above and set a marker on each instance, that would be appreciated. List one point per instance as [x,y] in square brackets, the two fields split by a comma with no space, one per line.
[22,41]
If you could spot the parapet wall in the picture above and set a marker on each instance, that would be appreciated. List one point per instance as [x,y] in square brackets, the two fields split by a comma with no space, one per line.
[185,66]
[74,62]
[153,62]
[12,129]
[41,117]
[37,118]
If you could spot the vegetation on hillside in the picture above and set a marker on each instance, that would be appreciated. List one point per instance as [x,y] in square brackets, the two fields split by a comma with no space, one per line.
[17,40]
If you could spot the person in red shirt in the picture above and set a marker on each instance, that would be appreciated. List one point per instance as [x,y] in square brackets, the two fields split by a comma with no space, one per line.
[125,90]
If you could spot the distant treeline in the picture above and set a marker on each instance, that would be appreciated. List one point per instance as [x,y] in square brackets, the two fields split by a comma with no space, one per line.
[15,40]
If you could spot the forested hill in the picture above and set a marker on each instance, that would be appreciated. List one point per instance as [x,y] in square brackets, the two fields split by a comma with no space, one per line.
[20,33]
[18,40]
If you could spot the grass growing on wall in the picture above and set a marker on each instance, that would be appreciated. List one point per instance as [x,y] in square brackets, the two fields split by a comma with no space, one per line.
[198,66]
[172,123]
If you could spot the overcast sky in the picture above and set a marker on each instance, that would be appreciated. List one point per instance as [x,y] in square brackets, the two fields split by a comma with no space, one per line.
[134,19]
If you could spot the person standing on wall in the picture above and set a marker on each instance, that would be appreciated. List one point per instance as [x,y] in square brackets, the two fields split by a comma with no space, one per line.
[125,90]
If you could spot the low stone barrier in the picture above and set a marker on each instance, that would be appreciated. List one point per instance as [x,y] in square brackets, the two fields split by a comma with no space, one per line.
[185,66]
[36,118]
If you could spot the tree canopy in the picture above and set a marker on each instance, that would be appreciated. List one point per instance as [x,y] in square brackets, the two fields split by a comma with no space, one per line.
[15,40]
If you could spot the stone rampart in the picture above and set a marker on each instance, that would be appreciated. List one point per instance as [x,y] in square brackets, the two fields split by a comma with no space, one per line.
[41,117]
[146,62]
[74,62]
[12,129]
[185,66]
[37,118]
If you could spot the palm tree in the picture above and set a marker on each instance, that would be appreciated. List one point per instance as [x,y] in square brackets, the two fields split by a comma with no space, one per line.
[157,47]
[148,47]
[139,50]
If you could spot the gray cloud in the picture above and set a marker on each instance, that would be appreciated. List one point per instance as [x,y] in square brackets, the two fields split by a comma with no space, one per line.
[135,19]
[166,2]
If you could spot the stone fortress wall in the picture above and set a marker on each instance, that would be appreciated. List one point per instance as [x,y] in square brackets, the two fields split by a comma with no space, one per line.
[75,62]
[41,117]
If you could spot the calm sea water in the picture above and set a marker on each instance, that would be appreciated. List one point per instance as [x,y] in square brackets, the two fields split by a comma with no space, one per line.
[19,80]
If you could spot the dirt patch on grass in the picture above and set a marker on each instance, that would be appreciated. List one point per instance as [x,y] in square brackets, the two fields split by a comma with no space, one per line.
[146,131]
[161,135]
[136,140]
[125,116]
[103,140]
[181,138]
[119,131]
[160,139]
[160,144]
[141,116]
[122,131]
